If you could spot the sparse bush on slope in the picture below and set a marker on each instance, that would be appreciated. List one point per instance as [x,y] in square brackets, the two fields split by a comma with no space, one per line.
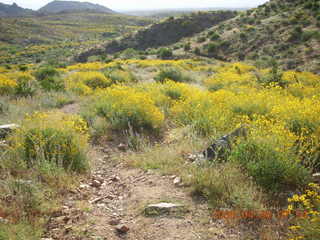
[165,53]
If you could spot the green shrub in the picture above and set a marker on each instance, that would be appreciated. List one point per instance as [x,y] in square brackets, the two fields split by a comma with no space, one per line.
[129,53]
[211,48]
[173,74]
[201,39]
[44,72]
[214,36]
[49,78]
[165,53]
[296,34]
[23,68]
[225,185]
[197,51]
[272,170]
[187,47]
[274,77]
[26,85]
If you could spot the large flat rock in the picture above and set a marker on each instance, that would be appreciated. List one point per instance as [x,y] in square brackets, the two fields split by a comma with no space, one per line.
[164,209]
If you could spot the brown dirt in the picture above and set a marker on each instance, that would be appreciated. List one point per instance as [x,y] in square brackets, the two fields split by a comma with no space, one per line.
[72,108]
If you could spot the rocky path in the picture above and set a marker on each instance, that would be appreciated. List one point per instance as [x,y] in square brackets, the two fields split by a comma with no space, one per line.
[111,204]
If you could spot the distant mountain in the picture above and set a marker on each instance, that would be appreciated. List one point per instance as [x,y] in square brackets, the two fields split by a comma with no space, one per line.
[13,10]
[73,6]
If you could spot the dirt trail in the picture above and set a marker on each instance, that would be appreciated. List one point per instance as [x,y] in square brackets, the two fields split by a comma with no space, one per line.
[115,194]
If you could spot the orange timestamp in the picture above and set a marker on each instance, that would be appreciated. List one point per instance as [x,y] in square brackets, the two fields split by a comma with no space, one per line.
[254,214]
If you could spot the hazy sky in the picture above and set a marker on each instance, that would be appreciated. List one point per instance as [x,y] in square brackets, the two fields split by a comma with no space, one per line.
[149,4]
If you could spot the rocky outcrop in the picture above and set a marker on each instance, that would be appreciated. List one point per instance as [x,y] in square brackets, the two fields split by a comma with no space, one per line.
[220,147]
[6,129]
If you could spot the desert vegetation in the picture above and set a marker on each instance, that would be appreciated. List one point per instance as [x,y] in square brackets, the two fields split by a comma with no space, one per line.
[222,109]
[182,114]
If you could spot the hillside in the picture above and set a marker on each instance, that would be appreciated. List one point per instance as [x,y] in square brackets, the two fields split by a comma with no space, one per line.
[58,36]
[284,30]
[73,6]
[13,10]
[287,31]
[163,33]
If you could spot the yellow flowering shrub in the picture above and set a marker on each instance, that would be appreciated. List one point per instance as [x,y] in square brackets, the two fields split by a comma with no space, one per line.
[229,75]
[204,112]
[167,94]
[95,66]
[272,132]
[306,208]
[121,76]
[7,85]
[85,82]
[26,83]
[305,78]
[91,66]
[51,137]
[237,67]
[123,106]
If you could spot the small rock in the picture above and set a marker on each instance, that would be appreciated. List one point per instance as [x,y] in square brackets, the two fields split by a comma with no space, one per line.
[99,178]
[177,181]
[110,197]
[122,147]
[122,229]
[62,219]
[115,178]
[316,177]
[83,186]
[96,184]
[105,150]
[3,220]
[96,200]
[191,157]
[173,177]
[114,222]
[24,182]
[101,205]
[3,144]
